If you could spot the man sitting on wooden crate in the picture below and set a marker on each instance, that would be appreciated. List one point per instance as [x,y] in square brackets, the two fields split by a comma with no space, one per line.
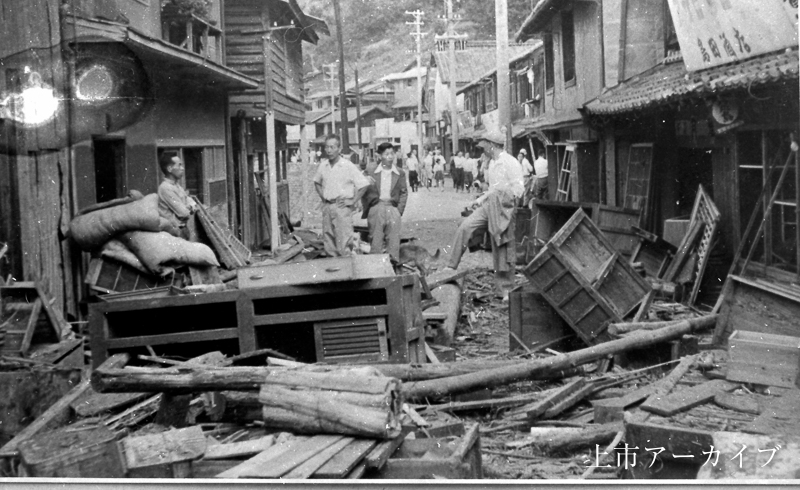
[494,211]
[340,184]
[174,204]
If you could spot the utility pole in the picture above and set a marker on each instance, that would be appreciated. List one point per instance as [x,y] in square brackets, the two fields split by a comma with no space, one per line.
[358,111]
[503,86]
[418,35]
[329,71]
[342,95]
[451,54]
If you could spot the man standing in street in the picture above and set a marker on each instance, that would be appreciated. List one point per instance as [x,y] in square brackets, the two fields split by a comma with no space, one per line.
[412,165]
[384,203]
[427,170]
[340,184]
[540,179]
[527,171]
[470,169]
[494,211]
[458,177]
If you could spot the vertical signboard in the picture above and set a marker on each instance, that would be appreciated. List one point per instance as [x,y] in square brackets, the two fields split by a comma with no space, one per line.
[715,32]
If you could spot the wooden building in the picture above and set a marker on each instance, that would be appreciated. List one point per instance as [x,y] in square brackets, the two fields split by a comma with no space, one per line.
[282,27]
[130,80]
[480,97]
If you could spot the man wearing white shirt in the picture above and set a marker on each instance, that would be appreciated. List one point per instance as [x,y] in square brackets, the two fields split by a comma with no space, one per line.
[494,210]
[470,169]
[540,179]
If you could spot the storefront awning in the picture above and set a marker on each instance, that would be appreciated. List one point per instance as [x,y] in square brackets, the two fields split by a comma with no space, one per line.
[667,83]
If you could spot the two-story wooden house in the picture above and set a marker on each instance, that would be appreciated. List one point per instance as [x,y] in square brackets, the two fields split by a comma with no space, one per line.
[480,97]
[130,79]
[264,41]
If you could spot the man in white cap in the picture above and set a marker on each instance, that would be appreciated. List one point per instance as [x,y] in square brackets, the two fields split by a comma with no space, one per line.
[494,210]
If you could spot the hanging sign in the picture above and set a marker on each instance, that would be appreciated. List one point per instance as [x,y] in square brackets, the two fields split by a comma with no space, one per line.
[715,32]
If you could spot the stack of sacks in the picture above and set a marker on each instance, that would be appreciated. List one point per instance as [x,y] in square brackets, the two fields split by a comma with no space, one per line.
[132,233]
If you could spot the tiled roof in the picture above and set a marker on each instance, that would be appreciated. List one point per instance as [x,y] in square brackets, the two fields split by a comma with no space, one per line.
[514,55]
[406,101]
[325,116]
[665,83]
[470,63]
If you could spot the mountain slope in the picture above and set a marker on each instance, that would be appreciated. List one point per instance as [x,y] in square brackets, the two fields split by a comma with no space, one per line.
[375,31]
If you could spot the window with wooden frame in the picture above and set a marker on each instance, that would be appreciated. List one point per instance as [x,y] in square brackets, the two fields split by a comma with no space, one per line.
[490,94]
[756,153]
[568,46]
[549,75]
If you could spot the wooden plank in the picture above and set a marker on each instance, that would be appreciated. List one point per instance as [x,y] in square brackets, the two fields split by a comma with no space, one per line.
[356,267]
[262,458]
[430,354]
[685,399]
[239,449]
[381,453]
[172,338]
[97,403]
[345,460]
[306,469]
[10,448]
[164,448]
[538,409]
[290,459]
[443,277]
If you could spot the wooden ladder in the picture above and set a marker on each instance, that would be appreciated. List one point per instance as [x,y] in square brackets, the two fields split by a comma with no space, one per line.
[565,175]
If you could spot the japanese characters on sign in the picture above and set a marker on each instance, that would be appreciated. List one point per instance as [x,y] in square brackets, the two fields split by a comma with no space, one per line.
[626,457]
[715,32]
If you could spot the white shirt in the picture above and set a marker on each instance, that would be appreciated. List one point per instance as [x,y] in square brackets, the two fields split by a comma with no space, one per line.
[459,161]
[505,174]
[526,167]
[411,163]
[386,183]
[540,166]
[470,165]
[340,180]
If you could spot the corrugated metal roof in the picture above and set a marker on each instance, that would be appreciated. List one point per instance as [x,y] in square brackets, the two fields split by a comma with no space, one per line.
[665,83]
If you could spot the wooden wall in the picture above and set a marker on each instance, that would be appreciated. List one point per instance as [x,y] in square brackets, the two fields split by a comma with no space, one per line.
[563,100]
[36,202]
[244,53]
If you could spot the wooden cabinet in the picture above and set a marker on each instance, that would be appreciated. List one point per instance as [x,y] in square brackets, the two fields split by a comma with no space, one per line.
[283,318]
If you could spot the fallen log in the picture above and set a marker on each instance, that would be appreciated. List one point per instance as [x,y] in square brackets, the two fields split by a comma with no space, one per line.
[624,328]
[189,379]
[347,403]
[538,367]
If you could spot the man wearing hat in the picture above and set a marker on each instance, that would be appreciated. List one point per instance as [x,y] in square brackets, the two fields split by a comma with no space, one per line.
[494,210]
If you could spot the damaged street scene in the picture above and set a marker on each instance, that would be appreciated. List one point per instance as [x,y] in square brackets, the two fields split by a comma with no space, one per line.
[399,240]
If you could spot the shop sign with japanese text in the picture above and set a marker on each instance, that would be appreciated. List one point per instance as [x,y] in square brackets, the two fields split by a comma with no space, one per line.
[715,32]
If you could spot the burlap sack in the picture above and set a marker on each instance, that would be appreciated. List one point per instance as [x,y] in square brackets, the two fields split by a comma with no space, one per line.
[159,250]
[92,230]
[116,250]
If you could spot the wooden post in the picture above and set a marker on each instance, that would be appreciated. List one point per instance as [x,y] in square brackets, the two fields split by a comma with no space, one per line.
[451,54]
[269,114]
[358,112]
[418,35]
[503,90]
[303,162]
[337,13]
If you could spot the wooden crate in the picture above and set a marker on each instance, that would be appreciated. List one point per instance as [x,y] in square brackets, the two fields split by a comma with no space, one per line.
[763,358]
[584,309]
[532,319]
[86,452]
[584,246]
[430,458]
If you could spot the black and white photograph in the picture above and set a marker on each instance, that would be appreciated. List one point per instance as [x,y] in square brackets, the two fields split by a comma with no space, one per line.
[462,242]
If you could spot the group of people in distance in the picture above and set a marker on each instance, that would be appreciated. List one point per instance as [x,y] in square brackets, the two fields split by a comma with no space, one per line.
[382,193]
